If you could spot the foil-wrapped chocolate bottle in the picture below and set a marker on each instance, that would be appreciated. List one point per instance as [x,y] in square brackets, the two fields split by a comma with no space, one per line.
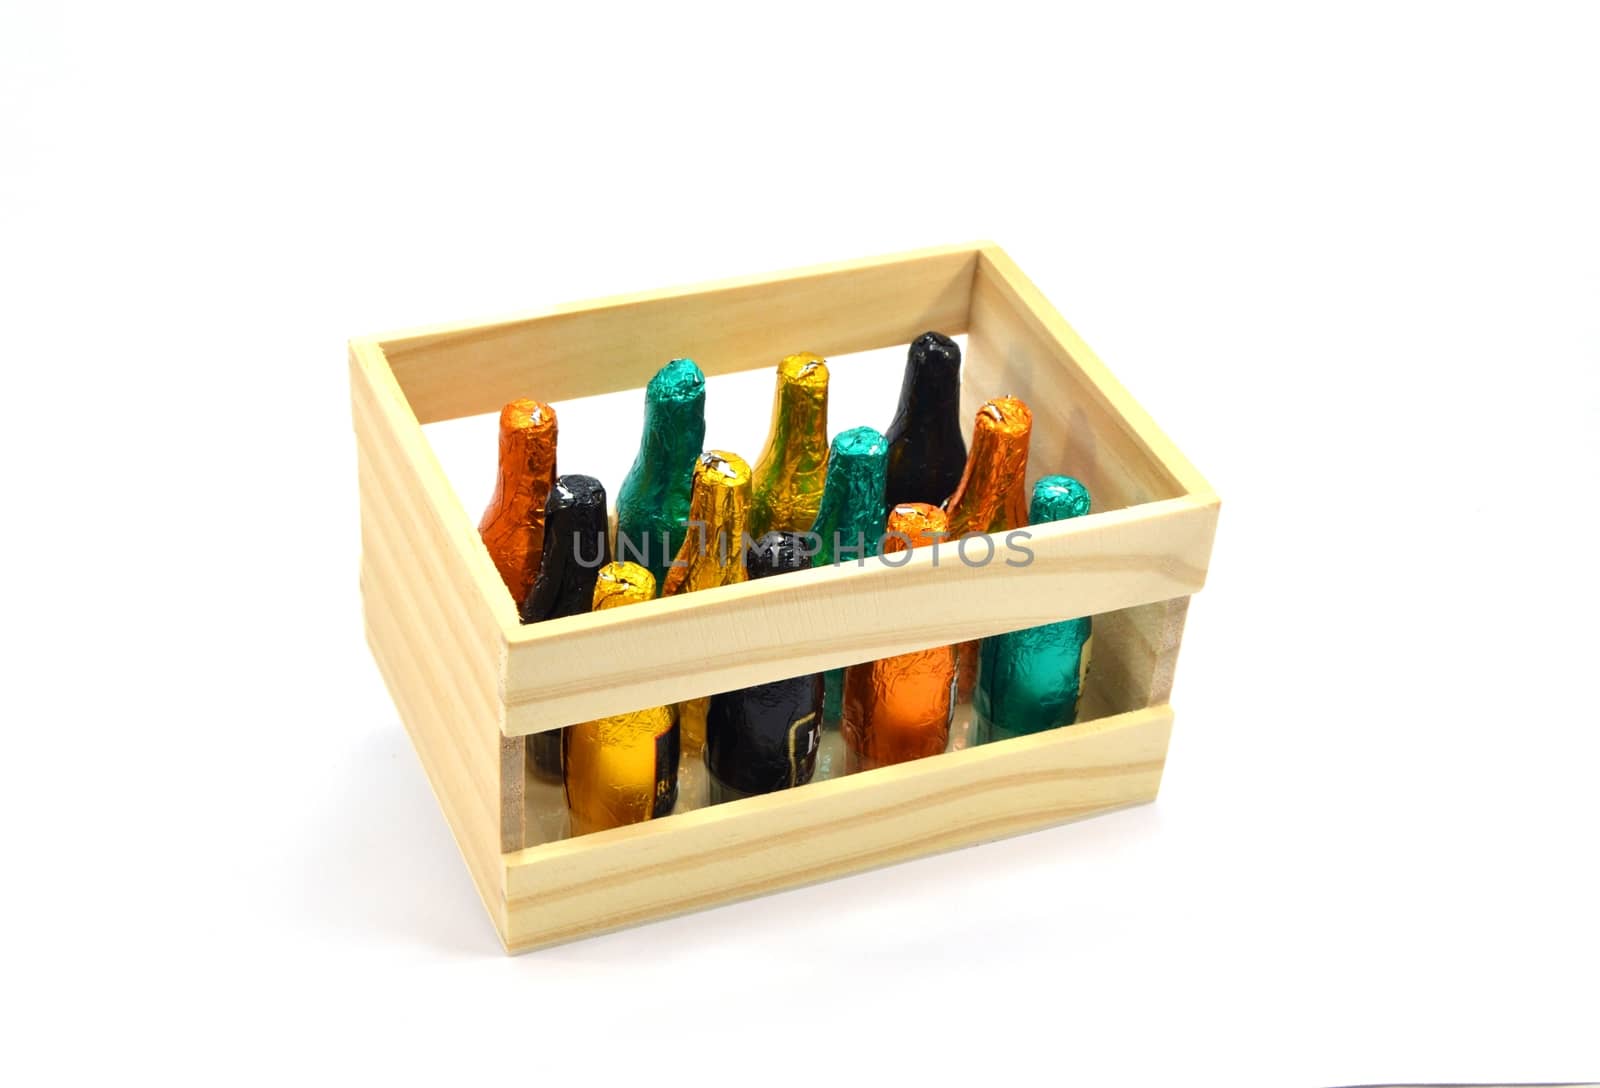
[790,471]
[512,526]
[764,738]
[992,495]
[926,450]
[623,768]
[653,502]
[712,553]
[850,520]
[1030,680]
[576,545]
[899,708]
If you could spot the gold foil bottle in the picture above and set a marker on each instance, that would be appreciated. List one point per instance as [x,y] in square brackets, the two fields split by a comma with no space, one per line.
[624,768]
[791,471]
[513,525]
[899,708]
[712,553]
[992,496]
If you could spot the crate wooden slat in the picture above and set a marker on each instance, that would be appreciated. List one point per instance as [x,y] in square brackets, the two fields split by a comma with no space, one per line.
[470,682]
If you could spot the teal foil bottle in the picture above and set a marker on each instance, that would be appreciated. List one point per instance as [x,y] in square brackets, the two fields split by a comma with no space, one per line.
[1030,680]
[653,503]
[850,520]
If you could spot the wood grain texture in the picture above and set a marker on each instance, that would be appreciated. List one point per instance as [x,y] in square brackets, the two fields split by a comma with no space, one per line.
[583,667]
[1135,653]
[1085,423]
[715,855]
[470,681]
[601,346]
[424,569]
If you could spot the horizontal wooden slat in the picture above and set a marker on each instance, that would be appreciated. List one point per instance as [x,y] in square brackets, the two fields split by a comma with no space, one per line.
[605,345]
[582,667]
[716,855]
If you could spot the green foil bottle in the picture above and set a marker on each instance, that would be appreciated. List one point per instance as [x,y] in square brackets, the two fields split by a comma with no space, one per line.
[850,521]
[1030,680]
[653,503]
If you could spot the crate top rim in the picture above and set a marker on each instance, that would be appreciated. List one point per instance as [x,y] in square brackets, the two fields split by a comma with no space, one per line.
[388,341]
[988,259]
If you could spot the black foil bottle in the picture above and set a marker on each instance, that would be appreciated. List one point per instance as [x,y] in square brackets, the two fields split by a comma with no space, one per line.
[926,451]
[576,545]
[764,738]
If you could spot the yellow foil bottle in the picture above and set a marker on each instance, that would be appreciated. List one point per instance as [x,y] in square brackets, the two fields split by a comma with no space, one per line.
[792,469]
[992,496]
[624,768]
[712,553]
[513,525]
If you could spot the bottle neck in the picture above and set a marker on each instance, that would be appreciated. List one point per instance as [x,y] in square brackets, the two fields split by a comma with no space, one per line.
[799,427]
[991,495]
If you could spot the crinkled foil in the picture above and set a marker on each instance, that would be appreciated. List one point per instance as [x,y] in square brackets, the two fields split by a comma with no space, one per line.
[790,473]
[766,737]
[719,517]
[1031,680]
[992,495]
[850,519]
[926,451]
[512,526]
[623,768]
[653,503]
[899,708]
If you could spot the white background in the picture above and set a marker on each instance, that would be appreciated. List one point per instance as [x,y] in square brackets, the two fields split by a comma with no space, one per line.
[1349,260]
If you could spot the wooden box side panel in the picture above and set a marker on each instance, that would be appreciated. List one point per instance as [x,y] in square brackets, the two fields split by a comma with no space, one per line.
[432,629]
[1133,657]
[1085,423]
[717,855]
[618,343]
[721,639]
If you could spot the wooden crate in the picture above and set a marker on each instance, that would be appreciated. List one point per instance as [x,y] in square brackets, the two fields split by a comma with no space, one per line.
[471,683]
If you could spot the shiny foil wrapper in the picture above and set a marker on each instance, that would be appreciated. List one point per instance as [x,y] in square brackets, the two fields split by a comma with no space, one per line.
[1031,680]
[719,518]
[992,496]
[926,451]
[790,473]
[765,737]
[900,708]
[850,519]
[512,526]
[576,544]
[653,503]
[623,768]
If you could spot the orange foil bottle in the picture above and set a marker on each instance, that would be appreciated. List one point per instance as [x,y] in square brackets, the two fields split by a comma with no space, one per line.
[513,526]
[624,768]
[992,496]
[899,708]
[712,553]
